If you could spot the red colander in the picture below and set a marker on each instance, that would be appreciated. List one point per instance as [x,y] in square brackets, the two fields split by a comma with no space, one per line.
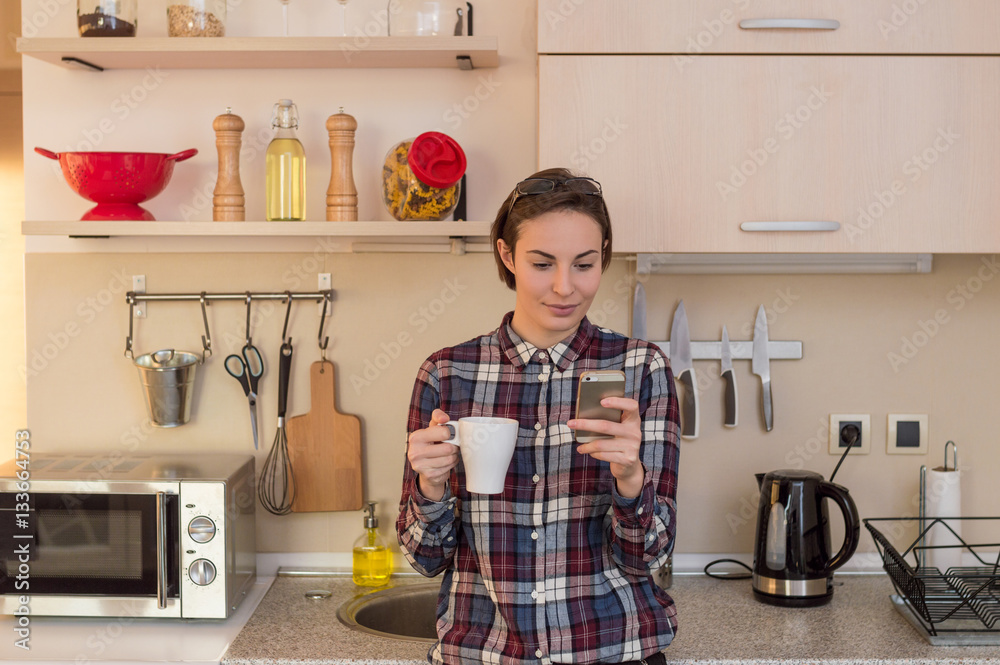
[117,181]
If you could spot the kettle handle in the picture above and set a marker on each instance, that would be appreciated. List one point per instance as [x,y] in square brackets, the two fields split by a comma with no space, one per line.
[852,523]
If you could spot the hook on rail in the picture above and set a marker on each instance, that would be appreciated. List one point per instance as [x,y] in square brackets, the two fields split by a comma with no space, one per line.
[285,339]
[249,340]
[320,339]
[206,339]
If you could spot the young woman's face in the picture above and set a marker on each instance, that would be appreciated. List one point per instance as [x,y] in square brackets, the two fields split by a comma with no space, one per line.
[557,265]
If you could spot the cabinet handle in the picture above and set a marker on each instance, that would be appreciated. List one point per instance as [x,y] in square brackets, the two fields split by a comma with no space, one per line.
[789,24]
[790,226]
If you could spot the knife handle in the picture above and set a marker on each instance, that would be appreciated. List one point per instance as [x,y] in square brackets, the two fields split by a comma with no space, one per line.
[731,399]
[766,402]
[689,405]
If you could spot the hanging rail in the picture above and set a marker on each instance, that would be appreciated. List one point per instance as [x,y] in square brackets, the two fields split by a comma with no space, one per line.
[325,296]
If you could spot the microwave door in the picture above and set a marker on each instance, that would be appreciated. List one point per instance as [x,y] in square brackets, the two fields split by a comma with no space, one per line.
[90,547]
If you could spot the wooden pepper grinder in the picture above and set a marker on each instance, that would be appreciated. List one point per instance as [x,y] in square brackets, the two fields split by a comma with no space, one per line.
[228,202]
[341,196]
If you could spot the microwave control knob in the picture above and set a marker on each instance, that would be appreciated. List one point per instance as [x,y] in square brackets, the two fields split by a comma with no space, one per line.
[202,572]
[201,529]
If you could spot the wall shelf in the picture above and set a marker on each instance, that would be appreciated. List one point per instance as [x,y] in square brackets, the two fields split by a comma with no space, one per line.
[362,230]
[100,53]
[327,237]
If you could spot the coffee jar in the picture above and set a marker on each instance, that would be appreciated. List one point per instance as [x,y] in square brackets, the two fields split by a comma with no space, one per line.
[106,18]
[421,177]
[196,18]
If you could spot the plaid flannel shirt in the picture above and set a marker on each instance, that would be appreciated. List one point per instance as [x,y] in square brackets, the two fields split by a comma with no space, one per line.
[558,567]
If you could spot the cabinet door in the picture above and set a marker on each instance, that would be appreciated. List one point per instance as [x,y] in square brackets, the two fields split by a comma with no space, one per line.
[717,26]
[902,152]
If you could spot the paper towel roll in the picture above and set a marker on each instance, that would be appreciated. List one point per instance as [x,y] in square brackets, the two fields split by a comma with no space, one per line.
[944,499]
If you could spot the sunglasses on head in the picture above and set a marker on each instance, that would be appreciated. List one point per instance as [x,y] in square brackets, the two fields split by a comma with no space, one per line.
[532,186]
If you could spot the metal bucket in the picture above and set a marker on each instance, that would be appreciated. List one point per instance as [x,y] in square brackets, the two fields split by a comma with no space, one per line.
[167,378]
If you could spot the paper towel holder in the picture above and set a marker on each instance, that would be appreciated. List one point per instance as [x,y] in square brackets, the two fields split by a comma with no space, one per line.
[923,493]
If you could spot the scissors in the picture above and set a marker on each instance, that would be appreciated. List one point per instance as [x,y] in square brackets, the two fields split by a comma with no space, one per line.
[247,370]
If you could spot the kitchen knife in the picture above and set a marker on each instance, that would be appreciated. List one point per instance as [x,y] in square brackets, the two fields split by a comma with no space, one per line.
[639,312]
[683,368]
[761,365]
[730,379]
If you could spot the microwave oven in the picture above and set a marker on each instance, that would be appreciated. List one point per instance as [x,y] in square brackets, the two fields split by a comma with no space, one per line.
[96,535]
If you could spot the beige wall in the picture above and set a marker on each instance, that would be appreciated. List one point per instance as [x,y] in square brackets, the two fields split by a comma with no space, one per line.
[12,384]
[86,395]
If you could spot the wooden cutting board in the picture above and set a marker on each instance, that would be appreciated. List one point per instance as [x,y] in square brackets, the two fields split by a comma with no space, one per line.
[324,447]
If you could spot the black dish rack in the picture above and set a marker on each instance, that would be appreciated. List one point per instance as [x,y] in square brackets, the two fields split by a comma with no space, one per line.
[959,606]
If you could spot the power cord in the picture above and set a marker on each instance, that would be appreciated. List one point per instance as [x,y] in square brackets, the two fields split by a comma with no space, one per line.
[729,576]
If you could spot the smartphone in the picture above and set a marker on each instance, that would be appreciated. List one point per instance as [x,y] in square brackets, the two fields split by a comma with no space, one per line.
[592,388]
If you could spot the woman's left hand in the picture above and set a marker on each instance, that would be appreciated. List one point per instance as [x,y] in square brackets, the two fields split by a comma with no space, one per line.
[621,451]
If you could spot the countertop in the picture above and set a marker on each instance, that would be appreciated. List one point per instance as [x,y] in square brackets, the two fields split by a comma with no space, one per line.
[124,640]
[720,622]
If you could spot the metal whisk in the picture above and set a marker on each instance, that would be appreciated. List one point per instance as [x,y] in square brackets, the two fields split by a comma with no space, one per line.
[276,486]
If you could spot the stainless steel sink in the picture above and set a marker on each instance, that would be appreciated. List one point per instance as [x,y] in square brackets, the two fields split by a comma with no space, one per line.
[405,612]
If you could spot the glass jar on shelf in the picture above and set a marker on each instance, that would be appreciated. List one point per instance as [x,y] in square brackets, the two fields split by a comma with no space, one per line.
[106,18]
[430,18]
[421,177]
[196,18]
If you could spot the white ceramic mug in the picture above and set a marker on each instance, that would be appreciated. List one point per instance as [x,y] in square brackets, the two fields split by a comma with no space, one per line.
[487,446]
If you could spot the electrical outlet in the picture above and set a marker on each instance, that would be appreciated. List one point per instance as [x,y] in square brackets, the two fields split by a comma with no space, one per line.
[843,427]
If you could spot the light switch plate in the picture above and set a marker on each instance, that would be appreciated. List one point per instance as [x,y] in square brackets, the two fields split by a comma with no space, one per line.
[839,420]
[906,434]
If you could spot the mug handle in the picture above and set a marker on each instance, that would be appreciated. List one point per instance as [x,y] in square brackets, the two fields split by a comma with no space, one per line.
[452,425]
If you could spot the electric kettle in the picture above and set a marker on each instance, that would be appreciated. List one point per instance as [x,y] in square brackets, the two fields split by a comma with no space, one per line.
[792,563]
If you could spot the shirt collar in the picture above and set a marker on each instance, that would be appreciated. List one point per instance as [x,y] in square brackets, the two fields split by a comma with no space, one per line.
[562,354]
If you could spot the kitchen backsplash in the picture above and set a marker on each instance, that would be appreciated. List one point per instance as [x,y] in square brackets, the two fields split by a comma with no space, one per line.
[872,344]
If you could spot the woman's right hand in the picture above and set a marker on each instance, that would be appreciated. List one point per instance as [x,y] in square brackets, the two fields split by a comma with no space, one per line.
[430,459]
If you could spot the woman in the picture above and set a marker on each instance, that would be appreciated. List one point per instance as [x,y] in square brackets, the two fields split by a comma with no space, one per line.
[556,569]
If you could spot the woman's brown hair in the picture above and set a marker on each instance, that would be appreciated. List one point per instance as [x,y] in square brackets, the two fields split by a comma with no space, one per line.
[508,222]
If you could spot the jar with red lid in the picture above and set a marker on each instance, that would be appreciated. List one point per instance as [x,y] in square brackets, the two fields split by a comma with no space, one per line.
[421,177]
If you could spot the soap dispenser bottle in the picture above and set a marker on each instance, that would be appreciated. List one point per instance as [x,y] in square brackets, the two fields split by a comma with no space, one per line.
[372,559]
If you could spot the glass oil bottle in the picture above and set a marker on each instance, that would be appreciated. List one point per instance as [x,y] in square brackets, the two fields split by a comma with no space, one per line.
[285,164]
[372,559]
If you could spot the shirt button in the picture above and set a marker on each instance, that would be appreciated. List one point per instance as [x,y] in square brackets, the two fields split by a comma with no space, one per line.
[534,535]
[535,478]
[652,537]
[538,653]
[639,512]
[542,356]
[538,426]
[534,594]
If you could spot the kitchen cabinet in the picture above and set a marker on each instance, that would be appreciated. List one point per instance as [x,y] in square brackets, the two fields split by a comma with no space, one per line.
[692,27]
[897,151]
